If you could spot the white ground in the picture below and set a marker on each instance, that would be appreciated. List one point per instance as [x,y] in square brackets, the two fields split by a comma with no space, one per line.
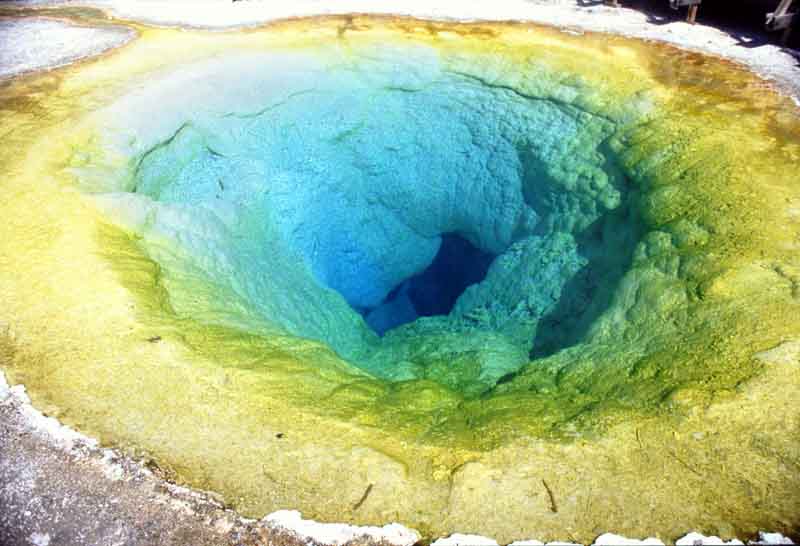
[36,43]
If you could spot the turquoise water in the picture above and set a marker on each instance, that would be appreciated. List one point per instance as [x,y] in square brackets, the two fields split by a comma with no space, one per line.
[322,213]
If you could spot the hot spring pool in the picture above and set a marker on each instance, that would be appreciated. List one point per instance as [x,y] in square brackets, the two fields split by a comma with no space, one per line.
[504,279]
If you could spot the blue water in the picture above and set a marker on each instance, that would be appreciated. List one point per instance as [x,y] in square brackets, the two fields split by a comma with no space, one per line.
[385,197]
[457,265]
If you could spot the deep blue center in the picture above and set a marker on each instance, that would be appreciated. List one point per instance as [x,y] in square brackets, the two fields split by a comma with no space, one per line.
[457,265]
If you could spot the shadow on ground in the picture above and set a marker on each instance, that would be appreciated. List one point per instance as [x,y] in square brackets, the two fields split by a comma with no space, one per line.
[742,20]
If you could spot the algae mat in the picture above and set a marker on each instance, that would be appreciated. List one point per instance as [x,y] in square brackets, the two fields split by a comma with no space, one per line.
[194,222]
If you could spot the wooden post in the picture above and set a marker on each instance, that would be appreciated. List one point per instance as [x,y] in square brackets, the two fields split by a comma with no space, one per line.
[781,19]
[783,7]
[691,16]
[785,36]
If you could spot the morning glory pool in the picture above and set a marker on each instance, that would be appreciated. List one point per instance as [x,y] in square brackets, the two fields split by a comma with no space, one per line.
[440,263]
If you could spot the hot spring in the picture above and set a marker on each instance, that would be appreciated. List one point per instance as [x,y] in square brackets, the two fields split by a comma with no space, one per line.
[444,264]
[466,222]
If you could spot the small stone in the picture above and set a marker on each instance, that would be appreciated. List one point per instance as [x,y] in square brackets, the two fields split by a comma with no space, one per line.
[785,354]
